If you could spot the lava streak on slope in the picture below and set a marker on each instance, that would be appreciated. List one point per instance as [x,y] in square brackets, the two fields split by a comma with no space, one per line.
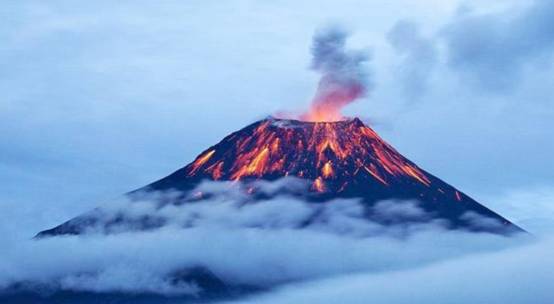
[328,153]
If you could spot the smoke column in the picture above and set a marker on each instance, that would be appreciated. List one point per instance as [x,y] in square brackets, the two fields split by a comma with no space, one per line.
[343,77]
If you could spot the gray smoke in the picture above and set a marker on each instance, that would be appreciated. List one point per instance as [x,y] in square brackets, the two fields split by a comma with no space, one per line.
[419,56]
[344,77]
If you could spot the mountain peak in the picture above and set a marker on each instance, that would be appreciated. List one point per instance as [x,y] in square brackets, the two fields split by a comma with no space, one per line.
[329,153]
[291,121]
[339,159]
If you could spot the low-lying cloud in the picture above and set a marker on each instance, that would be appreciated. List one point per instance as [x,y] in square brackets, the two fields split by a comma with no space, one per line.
[516,276]
[258,244]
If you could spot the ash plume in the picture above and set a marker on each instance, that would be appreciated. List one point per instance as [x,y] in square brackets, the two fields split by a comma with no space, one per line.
[344,77]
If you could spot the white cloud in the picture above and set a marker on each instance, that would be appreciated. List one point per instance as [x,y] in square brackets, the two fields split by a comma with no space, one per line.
[517,276]
[241,242]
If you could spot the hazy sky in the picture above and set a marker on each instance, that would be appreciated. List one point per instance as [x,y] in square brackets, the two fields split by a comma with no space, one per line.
[103,97]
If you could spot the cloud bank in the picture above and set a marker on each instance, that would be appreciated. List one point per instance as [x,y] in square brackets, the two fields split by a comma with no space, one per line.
[517,276]
[257,244]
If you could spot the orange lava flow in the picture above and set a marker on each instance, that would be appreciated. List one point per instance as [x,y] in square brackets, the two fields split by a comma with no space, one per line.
[217,170]
[395,166]
[255,167]
[416,174]
[325,138]
[327,170]
[374,174]
[200,161]
[318,185]
[328,153]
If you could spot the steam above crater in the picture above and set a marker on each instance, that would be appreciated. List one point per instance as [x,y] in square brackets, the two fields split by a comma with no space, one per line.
[344,78]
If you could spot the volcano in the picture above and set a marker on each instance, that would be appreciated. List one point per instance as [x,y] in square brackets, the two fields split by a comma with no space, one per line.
[340,159]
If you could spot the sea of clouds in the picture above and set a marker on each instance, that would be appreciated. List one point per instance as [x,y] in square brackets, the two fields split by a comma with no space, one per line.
[316,252]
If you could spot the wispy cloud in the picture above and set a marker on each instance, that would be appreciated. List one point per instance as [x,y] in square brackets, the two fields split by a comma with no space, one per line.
[494,49]
[419,56]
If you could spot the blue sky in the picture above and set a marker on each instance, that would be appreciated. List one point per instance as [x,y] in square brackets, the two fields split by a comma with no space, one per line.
[104,97]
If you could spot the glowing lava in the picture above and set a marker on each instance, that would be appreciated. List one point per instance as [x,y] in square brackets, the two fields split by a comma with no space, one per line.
[202,159]
[318,185]
[327,170]
[329,154]
[329,100]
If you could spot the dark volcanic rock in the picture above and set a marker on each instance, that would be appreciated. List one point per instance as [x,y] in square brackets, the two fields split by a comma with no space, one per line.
[343,159]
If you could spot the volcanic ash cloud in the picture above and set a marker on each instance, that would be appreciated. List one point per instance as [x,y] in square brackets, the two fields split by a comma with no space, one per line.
[343,75]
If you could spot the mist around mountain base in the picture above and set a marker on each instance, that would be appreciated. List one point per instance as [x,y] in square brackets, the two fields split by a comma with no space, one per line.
[281,250]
